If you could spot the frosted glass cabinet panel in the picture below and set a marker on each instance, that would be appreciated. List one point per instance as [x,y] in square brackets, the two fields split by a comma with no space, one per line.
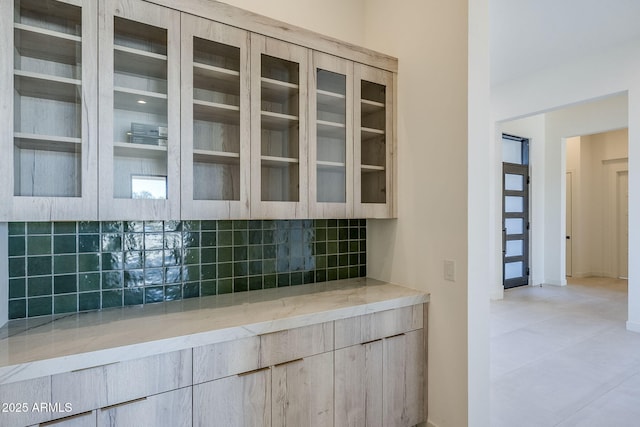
[215,120]
[374,139]
[140,125]
[330,137]
[51,147]
[278,129]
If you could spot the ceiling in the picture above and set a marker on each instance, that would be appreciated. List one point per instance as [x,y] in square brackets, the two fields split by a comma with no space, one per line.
[530,35]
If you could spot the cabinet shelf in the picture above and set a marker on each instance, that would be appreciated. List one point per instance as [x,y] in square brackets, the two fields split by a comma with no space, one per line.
[218,157]
[49,45]
[330,166]
[330,129]
[145,151]
[277,121]
[139,62]
[219,79]
[29,141]
[368,106]
[44,86]
[128,99]
[371,168]
[368,133]
[330,101]
[277,90]
[278,162]
[215,112]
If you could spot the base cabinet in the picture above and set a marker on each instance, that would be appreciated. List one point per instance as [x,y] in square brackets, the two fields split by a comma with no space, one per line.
[172,409]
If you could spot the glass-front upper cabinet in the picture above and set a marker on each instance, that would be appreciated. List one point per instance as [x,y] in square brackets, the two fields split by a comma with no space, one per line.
[374,143]
[49,89]
[331,137]
[278,129]
[140,117]
[215,120]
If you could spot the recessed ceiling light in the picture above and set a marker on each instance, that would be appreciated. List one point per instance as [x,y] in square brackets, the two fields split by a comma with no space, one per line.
[141,101]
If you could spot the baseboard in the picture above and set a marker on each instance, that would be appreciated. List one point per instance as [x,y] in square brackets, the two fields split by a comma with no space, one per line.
[430,424]
[555,282]
[633,326]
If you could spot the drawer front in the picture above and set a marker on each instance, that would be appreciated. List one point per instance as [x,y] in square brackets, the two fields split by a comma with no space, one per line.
[17,400]
[106,385]
[170,409]
[374,326]
[220,360]
[284,346]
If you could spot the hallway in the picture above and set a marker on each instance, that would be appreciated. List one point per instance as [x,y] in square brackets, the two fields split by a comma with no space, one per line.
[561,356]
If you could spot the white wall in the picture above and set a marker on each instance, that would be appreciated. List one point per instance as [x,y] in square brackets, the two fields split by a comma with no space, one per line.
[595,161]
[614,71]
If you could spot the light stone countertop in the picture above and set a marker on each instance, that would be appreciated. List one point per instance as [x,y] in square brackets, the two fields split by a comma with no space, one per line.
[45,346]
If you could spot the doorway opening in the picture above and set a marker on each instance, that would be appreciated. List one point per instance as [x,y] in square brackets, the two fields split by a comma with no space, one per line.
[515,211]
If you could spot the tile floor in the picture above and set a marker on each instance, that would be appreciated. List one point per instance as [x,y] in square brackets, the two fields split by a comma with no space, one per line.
[561,356]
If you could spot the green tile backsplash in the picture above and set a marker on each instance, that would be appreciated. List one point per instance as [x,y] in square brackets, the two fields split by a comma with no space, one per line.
[65,267]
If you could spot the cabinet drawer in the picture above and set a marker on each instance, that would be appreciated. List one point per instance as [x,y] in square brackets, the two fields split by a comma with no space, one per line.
[374,326]
[220,360]
[111,384]
[172,409]
[284,346]
[20,398]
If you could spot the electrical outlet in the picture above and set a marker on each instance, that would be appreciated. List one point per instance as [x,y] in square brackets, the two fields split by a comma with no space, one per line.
[449,270]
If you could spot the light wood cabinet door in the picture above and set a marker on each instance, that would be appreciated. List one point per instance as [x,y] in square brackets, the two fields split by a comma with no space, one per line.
[302,392]
[374,151]
[170,409]
[139,111]
[330,137]
[48,81]
[237,401]
[279,178]
[20,398]
[215,120]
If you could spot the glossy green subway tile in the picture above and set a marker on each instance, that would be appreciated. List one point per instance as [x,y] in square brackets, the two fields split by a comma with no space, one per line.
[153,241]
[321,262]
[284,279]
[133,260]
[321,235]
[296,263]
[269,251]
[240,268]
[172,225]
[225,254]
[282,251]
[354,259]
[225,270]
[208,238]
[363,271]
[255,225]
[333,223]
[281,236]
[88,262]
[269,266]
[151,226]
[208,271]
[192,256]
[240,224]
[296,278]
[88,243]
[65,244]
[153,294]
[88,227]
[112,298]
[153,259]
[268,225]
[240,253]
[172,274]
[112,280]
[321,275]
[65,303]
[225,238]
[354,246]
[89,301]
[38,245]
[354,272]
[343,260]
[208,255]
[363,233]
[133,242]
[255,252]
[255,283]
[39,265]
[255,237]
[240,284]
[268,236]
[192,289]
[173,292]
[38,228]
[130,279]
[112,227]
[332,248]
[17,288]
[133,296]
[255,267]
[282,265]
[190,226]
[134,226]
[172,240]
[17,246]
[17,309]
[65,284]
[320,223]
[332,261]
[152,276]
[295,223]
[295,235]
[111,242]
[112,260]
[240,237]
[308,277]
[332,274]
[65,228]
[343,247]
[343,273]
[173,257]
[354,233]
[225,286]
[269,281]
[40,306]
[190,273]
[208,225]
[332,234]
[89,282]
[17,228]
[363,258]
[208,287]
